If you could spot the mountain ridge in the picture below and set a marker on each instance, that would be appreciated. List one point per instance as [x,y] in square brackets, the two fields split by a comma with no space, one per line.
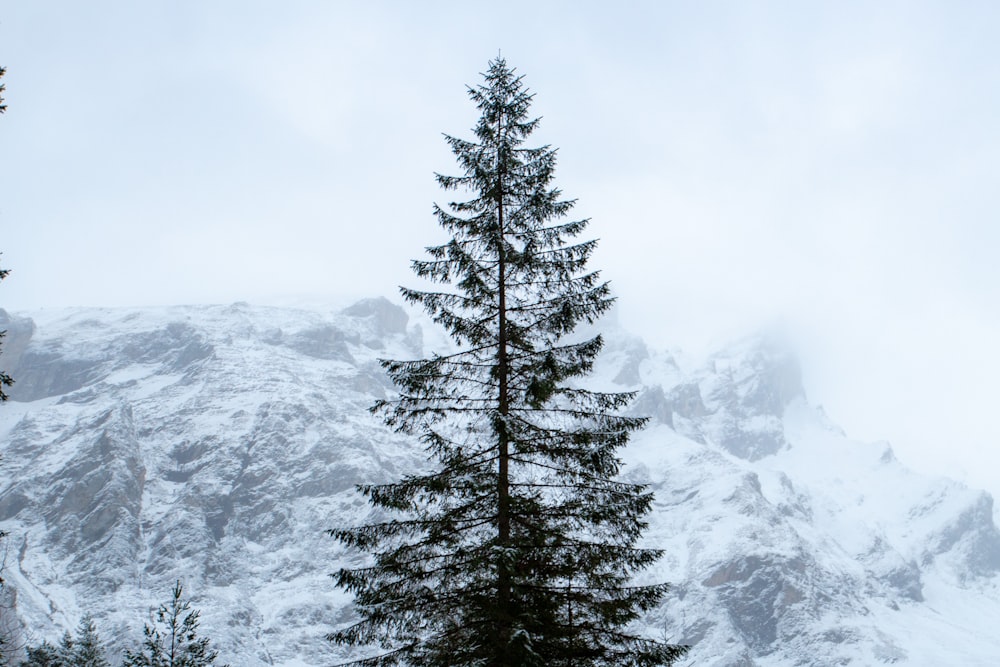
[217,443]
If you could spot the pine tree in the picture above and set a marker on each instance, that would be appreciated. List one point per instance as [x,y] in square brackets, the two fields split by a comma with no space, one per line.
[519,547]
[84,651]
[152,652]
[172,640]
[88,651]
[45,655]
[66,648]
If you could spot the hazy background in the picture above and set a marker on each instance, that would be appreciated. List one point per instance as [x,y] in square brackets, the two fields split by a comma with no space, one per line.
[829,166]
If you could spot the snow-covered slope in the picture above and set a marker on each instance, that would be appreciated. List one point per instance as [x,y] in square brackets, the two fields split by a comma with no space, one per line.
[217,444]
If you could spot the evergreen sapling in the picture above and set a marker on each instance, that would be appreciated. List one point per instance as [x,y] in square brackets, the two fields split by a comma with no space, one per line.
[172,639]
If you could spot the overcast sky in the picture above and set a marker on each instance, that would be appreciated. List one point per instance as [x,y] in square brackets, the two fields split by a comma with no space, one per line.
[830,166]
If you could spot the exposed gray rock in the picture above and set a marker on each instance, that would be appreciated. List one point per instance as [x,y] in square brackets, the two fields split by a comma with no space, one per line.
[17,334]
[41,373]
[217,445]
[651,402]
[323,342]
[970,537]
[176,346]
[746,390]
[634,352]
[387,318]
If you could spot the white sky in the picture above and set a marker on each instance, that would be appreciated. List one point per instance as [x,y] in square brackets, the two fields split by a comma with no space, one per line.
[831,166]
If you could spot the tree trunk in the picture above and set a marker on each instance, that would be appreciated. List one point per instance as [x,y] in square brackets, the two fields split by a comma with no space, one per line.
[503,456]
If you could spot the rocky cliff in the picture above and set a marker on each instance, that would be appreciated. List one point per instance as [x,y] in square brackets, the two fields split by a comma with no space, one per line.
[217,444]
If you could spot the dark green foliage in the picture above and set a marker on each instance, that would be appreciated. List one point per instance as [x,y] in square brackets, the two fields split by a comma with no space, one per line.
[84,651]
[172,640]
[518,547]
[67,649]
[88,651]
[3,107]
[45,655]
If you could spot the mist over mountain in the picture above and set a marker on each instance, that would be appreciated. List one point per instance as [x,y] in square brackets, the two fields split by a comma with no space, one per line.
[216,444]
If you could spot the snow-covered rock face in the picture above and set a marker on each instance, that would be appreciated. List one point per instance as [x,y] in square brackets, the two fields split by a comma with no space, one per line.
[217,444]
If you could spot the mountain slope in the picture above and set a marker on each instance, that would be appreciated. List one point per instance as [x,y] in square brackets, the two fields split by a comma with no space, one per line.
[216,444]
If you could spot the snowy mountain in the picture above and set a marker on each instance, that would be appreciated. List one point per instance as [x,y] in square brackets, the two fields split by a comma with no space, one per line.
[217,444]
